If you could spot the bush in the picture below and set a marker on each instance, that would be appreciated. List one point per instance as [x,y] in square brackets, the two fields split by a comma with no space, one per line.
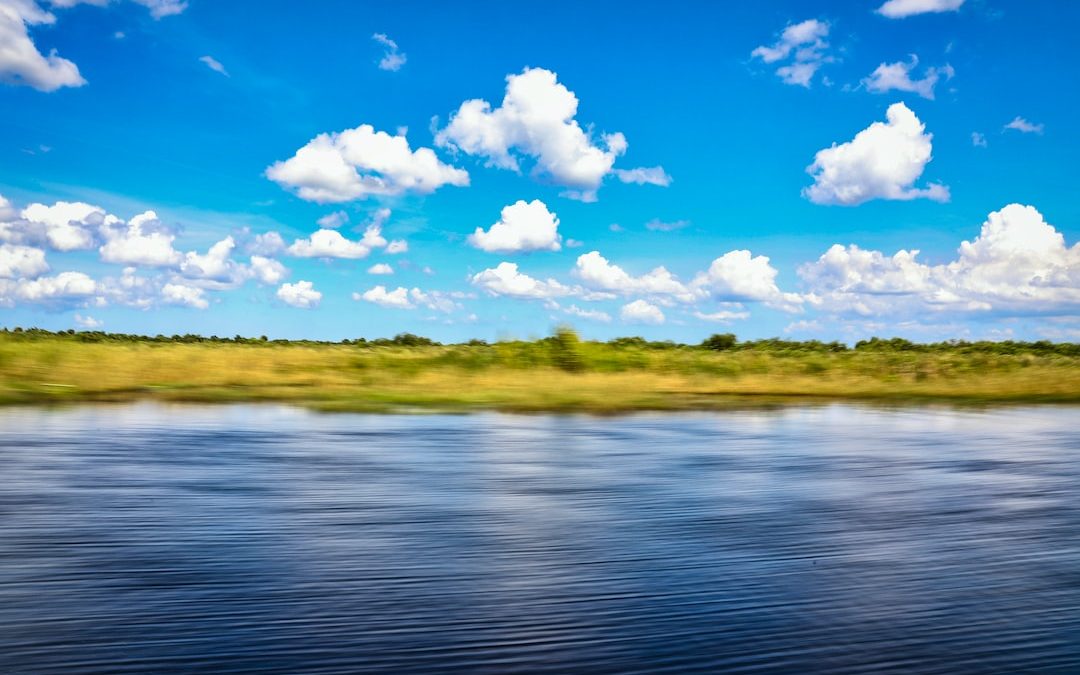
[566,350]
[720,342]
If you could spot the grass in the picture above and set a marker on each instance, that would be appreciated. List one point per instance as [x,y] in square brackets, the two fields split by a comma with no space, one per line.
[554,374]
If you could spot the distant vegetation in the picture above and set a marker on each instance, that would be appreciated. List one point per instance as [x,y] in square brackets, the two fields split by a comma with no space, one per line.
[560,372]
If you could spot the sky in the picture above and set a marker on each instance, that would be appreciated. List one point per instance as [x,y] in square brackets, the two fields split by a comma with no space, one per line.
[805,170]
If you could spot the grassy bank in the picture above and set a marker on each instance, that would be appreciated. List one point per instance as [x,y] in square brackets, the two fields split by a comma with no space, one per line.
[557,373]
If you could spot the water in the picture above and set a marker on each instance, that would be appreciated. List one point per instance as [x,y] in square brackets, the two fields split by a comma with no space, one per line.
[830,539]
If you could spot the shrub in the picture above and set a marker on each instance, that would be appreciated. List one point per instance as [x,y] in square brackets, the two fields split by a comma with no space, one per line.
[720,342]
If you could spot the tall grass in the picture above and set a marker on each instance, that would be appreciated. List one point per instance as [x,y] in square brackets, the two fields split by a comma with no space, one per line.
[561,372]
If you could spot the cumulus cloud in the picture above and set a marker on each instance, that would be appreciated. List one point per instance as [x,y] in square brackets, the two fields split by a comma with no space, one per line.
[404,298]
[20,60]
[537,120]
[397,246]
[214,65]
[215,268]
[505,279]
[143,240]
[64,226]
[978,140]
[392,58]
[898,9]
[380,268]
[18,262]
[883,161]
[332,244]
[804,44]
[361,162]
[302,294]
[741,276]
[66,288]
[1023,126]
[640,311]
[184,295]
[897,77]
[397,298]
[597,273]
[523,226]
[1018,265]
[21,63]
[267,270]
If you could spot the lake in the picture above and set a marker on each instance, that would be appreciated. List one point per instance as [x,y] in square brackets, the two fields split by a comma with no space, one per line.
[154,538]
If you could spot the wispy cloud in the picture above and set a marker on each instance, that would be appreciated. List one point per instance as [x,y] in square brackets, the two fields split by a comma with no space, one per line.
[392,59]
[214,65]
[1025,127]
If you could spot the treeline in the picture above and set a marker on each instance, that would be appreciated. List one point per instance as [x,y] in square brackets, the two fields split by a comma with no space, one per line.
[566,342]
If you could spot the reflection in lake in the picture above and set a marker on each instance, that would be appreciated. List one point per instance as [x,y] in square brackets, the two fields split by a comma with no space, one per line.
[826,539]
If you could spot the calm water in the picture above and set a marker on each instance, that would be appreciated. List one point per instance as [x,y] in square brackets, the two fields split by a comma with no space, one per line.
[833,539]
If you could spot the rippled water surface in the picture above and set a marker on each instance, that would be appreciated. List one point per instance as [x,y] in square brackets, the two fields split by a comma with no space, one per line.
[833,539]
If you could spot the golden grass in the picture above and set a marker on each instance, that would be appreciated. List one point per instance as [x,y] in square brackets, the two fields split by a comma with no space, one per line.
[517,377]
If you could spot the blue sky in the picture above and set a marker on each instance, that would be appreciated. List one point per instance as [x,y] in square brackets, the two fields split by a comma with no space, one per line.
[689,148]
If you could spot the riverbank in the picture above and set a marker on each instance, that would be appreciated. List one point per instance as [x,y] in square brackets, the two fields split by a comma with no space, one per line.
[553,374]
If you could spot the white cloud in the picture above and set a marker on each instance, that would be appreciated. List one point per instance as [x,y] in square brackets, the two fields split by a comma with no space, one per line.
[741,276]
[380,268]
[805,44]
[898,9]
[505,279]
[657,225]
[403,298]
[883,161]
[63,289]
[144,240]
[267,270]
[644,175]
[536,120]
[158,8]
[333,221]
[163,8]
[267,244]
[214,65]
[17,262]
[803,326]
[215,268]
[397,298]
[185,295]
[521,227]
[1023,126]
[87,322]
[20,60]
[328,244]
[392,59]
[597,273]
[64,226]
[978,140]
[302,294]
[361,162]
[590,314]
[1018,265]
[640,311]
[723,316]
[397,246]
[897,76]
